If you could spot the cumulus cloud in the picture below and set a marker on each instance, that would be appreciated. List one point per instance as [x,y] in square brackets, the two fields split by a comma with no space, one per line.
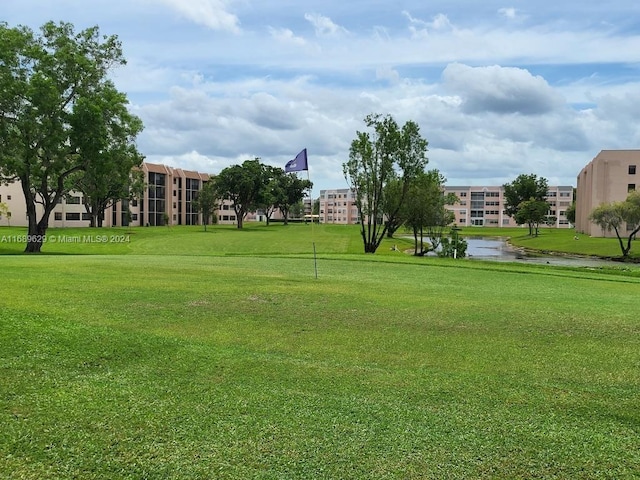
[501,90]
[213,14]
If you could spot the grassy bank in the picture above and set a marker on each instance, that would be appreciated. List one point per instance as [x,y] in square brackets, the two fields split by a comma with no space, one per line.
[233,361]
[258,239]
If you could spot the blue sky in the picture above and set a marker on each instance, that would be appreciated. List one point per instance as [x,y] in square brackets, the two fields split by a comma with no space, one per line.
[498,88]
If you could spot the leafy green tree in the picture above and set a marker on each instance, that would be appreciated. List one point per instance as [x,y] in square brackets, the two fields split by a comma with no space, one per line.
[206,202]
[243,185]
[522,189]
[617,216]
[532,213]
[291,193]
[104,132]
[375,159]
[272,191]
[426,214]
[44,78]
[570,213]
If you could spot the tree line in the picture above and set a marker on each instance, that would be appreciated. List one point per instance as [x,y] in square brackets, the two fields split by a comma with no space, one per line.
[65,127]
[253,186]
[387,172]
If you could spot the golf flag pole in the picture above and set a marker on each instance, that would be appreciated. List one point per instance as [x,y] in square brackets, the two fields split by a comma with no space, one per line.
[299,164]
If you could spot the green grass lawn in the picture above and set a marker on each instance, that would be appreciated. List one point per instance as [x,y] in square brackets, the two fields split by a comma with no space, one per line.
[232,360]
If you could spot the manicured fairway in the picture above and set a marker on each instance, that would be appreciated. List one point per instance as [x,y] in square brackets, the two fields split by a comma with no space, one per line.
[247,366]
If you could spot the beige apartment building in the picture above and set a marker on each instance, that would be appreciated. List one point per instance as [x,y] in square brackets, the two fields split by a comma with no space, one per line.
[485,206]
[477,206]
[609,177]
[167,200]
[338,206]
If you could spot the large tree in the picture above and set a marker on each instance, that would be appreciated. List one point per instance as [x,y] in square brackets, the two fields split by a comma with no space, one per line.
[524,188]
[243,185]
[104,132]
[43,78]
[290,192]
[617,216]
[375,159]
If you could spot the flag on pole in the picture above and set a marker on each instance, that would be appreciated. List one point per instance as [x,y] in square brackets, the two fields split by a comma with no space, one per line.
[297,164]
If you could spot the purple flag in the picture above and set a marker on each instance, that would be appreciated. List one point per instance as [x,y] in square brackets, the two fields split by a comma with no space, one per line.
[297,164]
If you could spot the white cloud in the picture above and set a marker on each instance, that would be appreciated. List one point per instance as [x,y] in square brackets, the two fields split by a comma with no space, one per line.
[324,26]
[421,29]
[509,12]
[213,14]
[501,90]
[286,36]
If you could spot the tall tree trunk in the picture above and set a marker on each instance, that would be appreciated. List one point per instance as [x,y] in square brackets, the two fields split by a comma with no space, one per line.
[37,232]
[37,229]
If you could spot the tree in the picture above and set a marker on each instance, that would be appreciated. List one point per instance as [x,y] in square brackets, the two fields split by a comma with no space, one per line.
[290,192]
[571,213]
[272,191]
[618,215]
[243,185]
[206,202]
[524,188]
[453,247]
[5,212]
[425,210]
[375,159]
[533,213]
[43,80]
[104,132]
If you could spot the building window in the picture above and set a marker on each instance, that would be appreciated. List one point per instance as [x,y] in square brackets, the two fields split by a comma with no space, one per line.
[8,197]
[631,187]
[73,200]
[58,216]
[632,169]
[72,216]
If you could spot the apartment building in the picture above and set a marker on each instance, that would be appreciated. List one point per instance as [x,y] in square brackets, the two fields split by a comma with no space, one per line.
[608,177]
[338,206]
[168,200]
[477,206]
[485,206]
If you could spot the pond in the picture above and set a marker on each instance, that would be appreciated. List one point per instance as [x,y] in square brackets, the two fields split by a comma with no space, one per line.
[497,249]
